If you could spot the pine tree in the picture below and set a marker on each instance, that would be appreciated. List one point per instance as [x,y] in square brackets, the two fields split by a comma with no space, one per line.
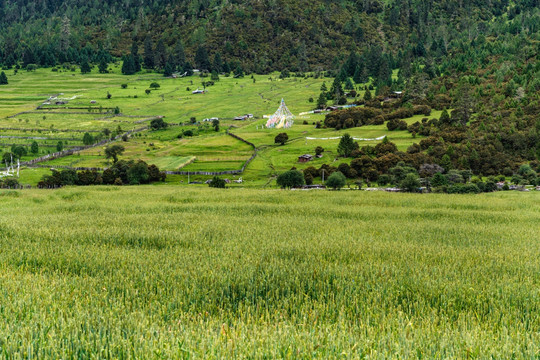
[148,53]
[357,77]
[161,54]
[218,63]
[336,91]
[168,70]
[367,95]
[103,66]
[128,65]
[135,54]
[201,58]
[179,56]
[321,102]
[85,67]
[3,78]
[34,149]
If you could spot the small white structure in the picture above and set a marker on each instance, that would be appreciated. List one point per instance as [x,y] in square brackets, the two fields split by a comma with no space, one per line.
[10,169]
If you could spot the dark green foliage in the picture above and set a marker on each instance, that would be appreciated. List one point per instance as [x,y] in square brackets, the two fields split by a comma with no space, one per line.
[201,59]
[321,102]
[217,182]
[336,181]
[158,123]
[281,138]
[34,148]
[85,66]
[113,151]
[3,78]
[138,173]
[439,180]
[60,146]
[346,146]
[411,183]
[18,151]
[149,55]
[128,65]
[168,70]
[122,172]
[215,124]
[161,55]
[290,179]
[103,66]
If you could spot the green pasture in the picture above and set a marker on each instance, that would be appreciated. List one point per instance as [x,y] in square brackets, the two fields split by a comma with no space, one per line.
[158,272]
[211,151]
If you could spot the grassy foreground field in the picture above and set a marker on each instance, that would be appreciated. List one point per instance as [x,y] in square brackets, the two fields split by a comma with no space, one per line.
[158,272]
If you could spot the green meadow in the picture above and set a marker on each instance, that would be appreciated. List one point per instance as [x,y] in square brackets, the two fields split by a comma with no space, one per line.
[158,272]
[206,151]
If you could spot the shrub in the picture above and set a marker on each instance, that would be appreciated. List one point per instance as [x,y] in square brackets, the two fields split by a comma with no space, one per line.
[157,124]
[154,85]
[290,179]
[217,183]
[281,138]
[336,181]
[411,183]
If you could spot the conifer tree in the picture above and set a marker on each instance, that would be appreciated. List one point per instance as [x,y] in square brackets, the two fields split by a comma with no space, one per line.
[168,70]
[201,58]
[218,63]
[178,59]
[3,78]
[128,65]
[103,66]
[85,67]
[367,95]
[161,55]
[136,57]
[148,53]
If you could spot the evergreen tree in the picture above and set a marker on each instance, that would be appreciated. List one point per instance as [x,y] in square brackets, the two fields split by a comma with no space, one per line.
[357,77]
[218,63]
[321,102]
[3,78]
[128,65]
[336,91]
[367,95]
[34,148]
[148,53]
[201,58]
[85,67]
[178,59]
[136,57]
[161,54]
[168,70]
[103,66]
[346,145]
[188,69]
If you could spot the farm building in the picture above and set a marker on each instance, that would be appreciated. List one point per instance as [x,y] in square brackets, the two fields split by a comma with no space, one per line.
[305,158]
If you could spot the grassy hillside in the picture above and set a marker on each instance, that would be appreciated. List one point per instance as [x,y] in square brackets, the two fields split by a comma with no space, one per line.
[210,151]
[157,273]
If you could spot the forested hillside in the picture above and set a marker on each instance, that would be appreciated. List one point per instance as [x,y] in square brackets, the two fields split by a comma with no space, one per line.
[261,36]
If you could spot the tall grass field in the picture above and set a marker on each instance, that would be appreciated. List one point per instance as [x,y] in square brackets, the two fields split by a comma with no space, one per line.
[194,273]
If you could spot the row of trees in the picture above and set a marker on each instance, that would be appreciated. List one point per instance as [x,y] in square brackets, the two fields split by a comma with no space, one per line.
[121,173]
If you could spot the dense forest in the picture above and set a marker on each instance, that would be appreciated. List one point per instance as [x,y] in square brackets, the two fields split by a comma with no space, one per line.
[258,36]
